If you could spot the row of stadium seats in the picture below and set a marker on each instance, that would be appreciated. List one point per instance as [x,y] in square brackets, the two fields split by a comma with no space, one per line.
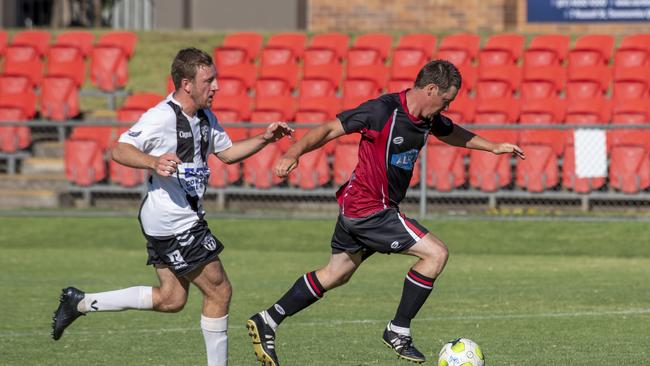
[550,162]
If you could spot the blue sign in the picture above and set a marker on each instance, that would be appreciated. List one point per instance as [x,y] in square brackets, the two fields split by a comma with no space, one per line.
[588,11]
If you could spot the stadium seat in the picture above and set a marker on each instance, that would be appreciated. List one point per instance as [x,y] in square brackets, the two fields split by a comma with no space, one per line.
[14,137]
[258,169]
[313,170]
[501,49]
[542,111]
[370,49]
[284,48]
[236,108]
[413,50]
[123,39]
[171,88]
[591,50]
[80,40]
[459,49]
[277,80]
[124,175]
[634,51]
[273,109]
[23,101]
[67,60]
[104,136]
[569,178]
[236,79]
[461,110]
[3,42]
[539,172]
[445,167]
[498,81]
[588,111]
[631,111]
[327,49]
[629,169]
[363,83]
[402,78]
[238,48]
[588,82]
[489,172]
[628,137]
[320,80]
[136,104]
[28,45]
[631,83]
[543,82]
[31,70]
[345,160]
[59,98]
[110,56]
[496,111]
[317,109]
[225,174]
[84,162]
[469,74]
[11,84]
[555,138]
[546,50]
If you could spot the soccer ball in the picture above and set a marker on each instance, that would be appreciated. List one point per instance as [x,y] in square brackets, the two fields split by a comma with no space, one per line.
[461,352]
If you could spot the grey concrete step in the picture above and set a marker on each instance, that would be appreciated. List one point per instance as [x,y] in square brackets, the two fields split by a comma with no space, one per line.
[48,149]
[28,198]
[56,181]
[37,165]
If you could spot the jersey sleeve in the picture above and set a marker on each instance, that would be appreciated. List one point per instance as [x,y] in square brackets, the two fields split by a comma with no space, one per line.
[442,126]
[364,117]
[147,133]
[219,139]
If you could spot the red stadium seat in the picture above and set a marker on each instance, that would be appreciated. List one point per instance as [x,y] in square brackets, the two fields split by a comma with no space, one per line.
[11,84]
[588,111]
[104,136]
[236,79]
[591,50]
[402,78]
[501,49]
[461,110]
[569,178]
[628,137]
[414,50]
[124,175]
[370,49]
[546,50]
[34,43]
[632,83]
[136,104]
[225,174]
[327,49]
[3,42]
[126,41]
[320,80]
[633,51]
[258,169]
[80,40]
[284,48]
[31,70]
[172,88]
[445,167]
[59,98]
[313,170]
[15,137]
[489,172]
[543,82]
[23,101]
[498,81]
[109,68]
[631,111]
[67,60]
[278,80]
[539,171]
[542,111]
[346,157]
[629,169]
[318,109]
[235,108]
[238,48]
[588,82]
[469,74]
[459,49]
[272,109]
[554,138]
[496,111]
[84,162]
[364,82]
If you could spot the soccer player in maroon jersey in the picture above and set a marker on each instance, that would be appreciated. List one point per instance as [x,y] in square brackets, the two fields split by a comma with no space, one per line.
[393,128]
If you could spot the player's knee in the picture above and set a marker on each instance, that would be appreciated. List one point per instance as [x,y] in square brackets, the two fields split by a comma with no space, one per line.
[220,293]
[172,303]
[437,254]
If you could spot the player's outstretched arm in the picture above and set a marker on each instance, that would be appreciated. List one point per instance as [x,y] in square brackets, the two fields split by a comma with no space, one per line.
[464,138]
[314,139]
[240,150]
[129,155]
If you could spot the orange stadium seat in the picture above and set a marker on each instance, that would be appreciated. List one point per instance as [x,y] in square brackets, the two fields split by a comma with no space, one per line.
[272,109]
[554,138]
[501,49]
[469,75]
[124,175]
[3,42]
[489,172]
[13,138]
[123,39]
[461,110]
[234,108]
[539,171]
[459,49]
[591,50]
[68,61]
[546,50]
[236,79]
[346,156]
[238,48]
[629,169]
[31,70]
[277,80]
[258,169]
[363,83]
[317,109]
[402,78]
[414,50]
[632,83]
[542,111]
[588,82]
[136,104]
[313,170]
[370,49]
[321,80]
[633,51]
[284,48]
[327,49]
[588,111]
[445,167]
[60,93]
[497,111]
[569,178]
[110,56]
[498,81]
[631,111]
[23,101]
[224,174]
[81,40]
[11,84]
[84,162]
[543,82]
[28,45]
[104,136]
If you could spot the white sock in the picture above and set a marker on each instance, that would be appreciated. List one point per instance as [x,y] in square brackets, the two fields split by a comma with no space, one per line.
[215,334]
[399,330]
[269,320]
[138,297]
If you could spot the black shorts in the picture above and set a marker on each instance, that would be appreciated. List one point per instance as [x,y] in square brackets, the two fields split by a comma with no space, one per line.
[387,231]
[184,252]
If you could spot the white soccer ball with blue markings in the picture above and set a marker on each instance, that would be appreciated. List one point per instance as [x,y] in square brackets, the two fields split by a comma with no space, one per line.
[461,352]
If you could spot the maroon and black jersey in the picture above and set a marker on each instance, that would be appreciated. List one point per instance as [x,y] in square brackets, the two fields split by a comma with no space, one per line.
[391,139]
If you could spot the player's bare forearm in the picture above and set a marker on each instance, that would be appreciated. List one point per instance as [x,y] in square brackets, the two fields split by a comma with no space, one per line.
[242,149]
[465,138]
[129,155]
[316,138]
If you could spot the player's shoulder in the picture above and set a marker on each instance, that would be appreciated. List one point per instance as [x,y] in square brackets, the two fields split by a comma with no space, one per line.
[161,113]
[383,104]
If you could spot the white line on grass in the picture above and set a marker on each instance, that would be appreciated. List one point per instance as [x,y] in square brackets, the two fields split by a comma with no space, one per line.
[7,334]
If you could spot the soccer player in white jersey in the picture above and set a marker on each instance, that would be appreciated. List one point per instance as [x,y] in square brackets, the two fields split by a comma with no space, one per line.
[173,140]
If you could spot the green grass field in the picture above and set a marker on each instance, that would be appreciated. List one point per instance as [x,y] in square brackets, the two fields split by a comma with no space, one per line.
[529,292]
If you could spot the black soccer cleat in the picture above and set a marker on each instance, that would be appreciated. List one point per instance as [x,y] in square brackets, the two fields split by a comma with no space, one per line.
[67,311]
[263,340]
[403,346]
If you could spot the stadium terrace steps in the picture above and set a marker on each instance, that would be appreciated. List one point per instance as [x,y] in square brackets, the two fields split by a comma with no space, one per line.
[55,181]
[35,165]
[51,149]
[21,198]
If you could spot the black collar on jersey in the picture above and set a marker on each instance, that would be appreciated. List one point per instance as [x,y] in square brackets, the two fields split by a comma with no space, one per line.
[185,136]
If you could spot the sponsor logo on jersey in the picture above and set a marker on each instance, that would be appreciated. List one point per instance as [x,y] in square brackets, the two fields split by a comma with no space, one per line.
[398,140]
[184,134]
[405,160]
[209,243]
[205,130]
[394,244]
[134,133]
